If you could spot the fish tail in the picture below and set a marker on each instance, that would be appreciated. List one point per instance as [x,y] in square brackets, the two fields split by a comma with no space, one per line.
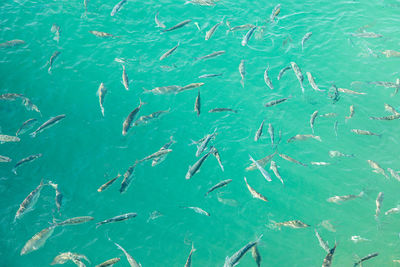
[49,70]
[242,82]
[259,238]
[14,171]
[102,111]
[33,135]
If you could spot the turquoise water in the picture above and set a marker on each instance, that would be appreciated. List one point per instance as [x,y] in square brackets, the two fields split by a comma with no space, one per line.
[85,149]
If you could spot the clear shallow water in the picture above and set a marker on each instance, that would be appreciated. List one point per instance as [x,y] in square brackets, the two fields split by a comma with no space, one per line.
[85,149]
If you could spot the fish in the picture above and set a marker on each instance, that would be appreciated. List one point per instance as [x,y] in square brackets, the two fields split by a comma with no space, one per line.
[377,168]
[386,118]
[127,178]
[286,157]
[5,159]
[204,144]
[196,167]
[369,256]
[158,22]
[283,72]
[177,26]
[276,102]
[321,163]
[328,115]
[274,168]
[239,27]
[101,92]
[29,201]
[261,169]
[85,4]
[128,121]
[38,240]
[275,12]
[52,58]
[351,92]
[384,84]
[305,38]
[339,199]
[49,123]
[298,73]
[12,43]
[256,255]
[335,127]
[201,2]
[162,157]
[107,184]
[214,110]
[189,259]
[211,31]
[367,35]
[391,109]
[102,34]
[271,133]
[329,257]
[357,238]
[242,71]
[312,82]
[75,220]
[56,30]
[130,259]
[387,53]
[29,105]
[10,96]
[212,55]
[197,104]
[351,113]
[235,258]
[118,218]
[58,197]
[259,131]
[159,153]
[328,226]
[267,79]
[189,86]
[25,160]
[378,203]
[262,162]
[164,90]
[336,154]
[147,118]
[218,157]
[394,174]
[117,7]
[112,261]
[364,132]
[198,210]
[66,256]
[393,210]
[125,79]
[248,35]
[154,215]
[209,75]
[292,224]
[312,120]
[322,242]
[302,137]
[8,138]
[218,185]
[169,52]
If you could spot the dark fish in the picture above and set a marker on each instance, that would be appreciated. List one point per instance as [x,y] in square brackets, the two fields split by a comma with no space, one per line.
[275,102]
[75,220]
[127,178]
[328,259]
[29,201]
[52,58]
[177,26]
[214,54]
[10,96]
[128,121]
[11,43]
[107,184]
[222,110]
[196,167]
[256,255]
[169,52]
[25,160]
[189,259]
[118,218]
[369,256]
[59,196]
[117,7]
[52,121]
[235,258]
[218,185]
[259,131]
[197,104]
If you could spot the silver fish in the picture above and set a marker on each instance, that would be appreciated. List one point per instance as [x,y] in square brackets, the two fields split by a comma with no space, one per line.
[301,137]
[198,210]
[218,157]
[312,82]
[336,154]
[322,242]
[267,79]
[274,168]
[196,167]
[367,35]
[177,26]
[169,52]
[242,71]
[164,90]
[69,256]
[127,178]
[218,185]
[261,169]
[209,75]
[204,144]
[328,115]
[378,203]
[162,158]
[109,262]
[351,92]
[25,160]
[335,127]
[214,110]
[10,96]
[391,109]
[320,163]
[377,168]
[214,54]
[275,12]
[8,138]
[256,255]
[329,257]
[159,153]
[52,58]
[201,2]
[259,131]
[189,86]
[339,199]
[102,34]
[131,260]
[235,258]
[125,79]
[4,159]
[158,22]
[75,220]
[239,27]
[147,118]
[351,112]
[118,218]
[108,183]
[312,120]
[189,259]
[210,32]
[305,38]
[197,104]
[298,73]
[357,239]
[12,43]
[286,157]
[295,224]
[50,122]
[364,132]
[275,102]
[283,72]
[248,35]
[391,53]
[29,201]
[101,92]
[56,30]
[117,7]
[38,240]
[29,105]
[128,121]
[262,162]
[393,210]
[394,174]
